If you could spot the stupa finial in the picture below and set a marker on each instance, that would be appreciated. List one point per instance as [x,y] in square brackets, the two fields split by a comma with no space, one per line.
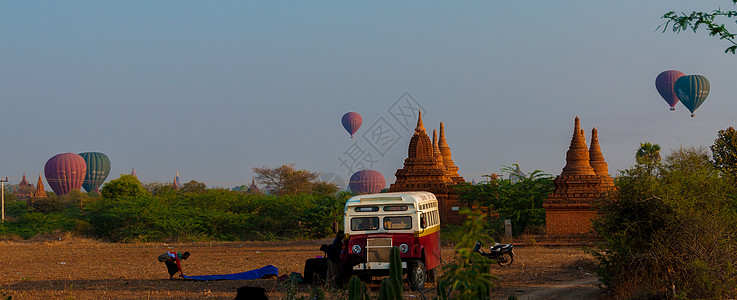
[420,127]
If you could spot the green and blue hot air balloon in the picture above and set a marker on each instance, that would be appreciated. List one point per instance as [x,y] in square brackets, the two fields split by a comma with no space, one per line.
[692,90]
[98,167]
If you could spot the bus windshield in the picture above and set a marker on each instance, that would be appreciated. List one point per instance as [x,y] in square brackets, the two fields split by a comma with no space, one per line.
[364,223]
[397,223]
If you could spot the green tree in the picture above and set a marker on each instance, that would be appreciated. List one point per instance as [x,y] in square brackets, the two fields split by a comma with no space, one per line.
[712,21]
[520,200]
[724,151]
[194,187]
[648,153]
[124,186]
[671,233]
[159,188]
[286,180]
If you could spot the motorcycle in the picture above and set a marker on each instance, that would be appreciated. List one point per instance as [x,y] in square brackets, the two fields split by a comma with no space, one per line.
[503,254]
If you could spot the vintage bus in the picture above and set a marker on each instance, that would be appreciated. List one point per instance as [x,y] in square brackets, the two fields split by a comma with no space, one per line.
[375,223]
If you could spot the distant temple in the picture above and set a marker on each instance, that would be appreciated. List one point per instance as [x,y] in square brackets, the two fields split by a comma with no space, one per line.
[253,188]
[40,192]
[175,184]
[429,167]
[585,178]
[24,191]
[133,172]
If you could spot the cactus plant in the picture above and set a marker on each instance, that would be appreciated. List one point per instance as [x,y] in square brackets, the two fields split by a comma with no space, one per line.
[395,265]
[391,288]
[357,290]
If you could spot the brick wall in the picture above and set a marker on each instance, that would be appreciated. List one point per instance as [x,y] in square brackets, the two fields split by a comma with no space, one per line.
[569,222]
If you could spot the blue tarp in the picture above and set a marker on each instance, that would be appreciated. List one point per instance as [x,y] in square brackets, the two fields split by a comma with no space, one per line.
[253,274]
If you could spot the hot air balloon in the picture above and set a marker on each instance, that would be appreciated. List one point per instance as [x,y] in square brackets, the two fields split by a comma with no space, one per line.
[692,90]
[366,182]
[664,84]
[351,122]
[98,167]
[65,172]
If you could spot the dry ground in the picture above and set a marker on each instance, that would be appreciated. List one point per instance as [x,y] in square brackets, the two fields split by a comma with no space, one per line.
[84,269]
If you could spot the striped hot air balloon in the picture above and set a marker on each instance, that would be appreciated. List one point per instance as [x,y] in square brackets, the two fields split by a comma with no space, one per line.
[98,168]
[692,90]
[65,172]
[351,122]
[367,182]
[664,84]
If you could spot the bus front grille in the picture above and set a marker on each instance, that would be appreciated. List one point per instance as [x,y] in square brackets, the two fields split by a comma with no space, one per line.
[378,249]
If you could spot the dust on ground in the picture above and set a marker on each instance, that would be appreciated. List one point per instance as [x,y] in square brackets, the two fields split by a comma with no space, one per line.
[74,268]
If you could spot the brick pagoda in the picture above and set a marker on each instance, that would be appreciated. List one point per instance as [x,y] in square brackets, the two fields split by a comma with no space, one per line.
[24,190]
[585,178]
[40,191]
[429,167]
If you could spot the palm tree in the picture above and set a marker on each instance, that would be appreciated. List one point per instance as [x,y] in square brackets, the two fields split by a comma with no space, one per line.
[648,153]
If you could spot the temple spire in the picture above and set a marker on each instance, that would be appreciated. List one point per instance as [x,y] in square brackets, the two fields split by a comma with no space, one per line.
[420,127]
[253,188]
[435,148]
[40,192]
[597,162]
[577,157]
[450,166]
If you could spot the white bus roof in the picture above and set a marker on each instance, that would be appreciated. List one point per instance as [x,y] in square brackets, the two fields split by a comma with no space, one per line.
[411,197]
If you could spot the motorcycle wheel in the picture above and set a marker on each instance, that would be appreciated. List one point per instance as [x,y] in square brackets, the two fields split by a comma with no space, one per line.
[505,259]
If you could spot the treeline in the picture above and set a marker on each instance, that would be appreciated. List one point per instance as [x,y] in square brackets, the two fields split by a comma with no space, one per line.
[127,212]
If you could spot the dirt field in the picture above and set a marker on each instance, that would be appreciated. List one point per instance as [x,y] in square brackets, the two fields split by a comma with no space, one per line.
[84,269]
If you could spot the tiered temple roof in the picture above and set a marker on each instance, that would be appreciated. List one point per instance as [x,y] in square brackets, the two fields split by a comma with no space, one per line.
[421,168]
[24,190]
[424,170]
[584,179]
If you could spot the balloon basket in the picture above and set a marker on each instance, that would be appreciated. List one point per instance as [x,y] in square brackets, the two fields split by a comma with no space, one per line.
[692,115]
[672,108]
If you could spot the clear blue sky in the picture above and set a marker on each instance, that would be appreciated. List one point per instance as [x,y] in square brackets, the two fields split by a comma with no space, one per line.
[211,89]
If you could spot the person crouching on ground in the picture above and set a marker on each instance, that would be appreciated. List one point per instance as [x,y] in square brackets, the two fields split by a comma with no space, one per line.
[334,258]
[173,261]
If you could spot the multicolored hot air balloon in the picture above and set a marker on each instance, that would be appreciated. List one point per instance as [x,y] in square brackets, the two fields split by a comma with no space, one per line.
[98,167]
[351,122]
[692,90]
[65,172]
[367,182]
[664,84]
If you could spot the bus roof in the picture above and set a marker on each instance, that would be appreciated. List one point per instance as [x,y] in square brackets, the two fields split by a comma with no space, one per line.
[410,197]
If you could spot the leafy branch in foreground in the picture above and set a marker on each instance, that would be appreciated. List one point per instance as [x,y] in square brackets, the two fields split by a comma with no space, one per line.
[712,21]
[468,276]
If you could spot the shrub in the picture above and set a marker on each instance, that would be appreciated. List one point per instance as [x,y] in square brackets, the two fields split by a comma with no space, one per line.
[670,230]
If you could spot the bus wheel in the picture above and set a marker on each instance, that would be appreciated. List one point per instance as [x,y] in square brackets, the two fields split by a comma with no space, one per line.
[417,275]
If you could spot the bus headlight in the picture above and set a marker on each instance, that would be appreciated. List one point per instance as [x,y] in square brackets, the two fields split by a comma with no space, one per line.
[356,249]
[403,248]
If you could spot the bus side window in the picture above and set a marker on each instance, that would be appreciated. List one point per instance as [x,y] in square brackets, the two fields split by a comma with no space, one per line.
[423,221]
